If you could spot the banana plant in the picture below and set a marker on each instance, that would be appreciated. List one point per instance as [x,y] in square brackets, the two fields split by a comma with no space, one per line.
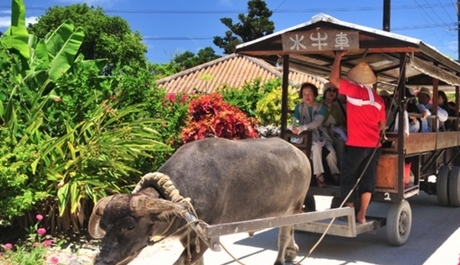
[16,36]
[42,61]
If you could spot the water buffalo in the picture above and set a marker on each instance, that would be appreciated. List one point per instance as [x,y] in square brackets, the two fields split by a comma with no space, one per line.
[225,180]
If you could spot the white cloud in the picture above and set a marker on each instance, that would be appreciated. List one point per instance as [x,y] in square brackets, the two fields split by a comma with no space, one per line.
[6,21]
[5,11]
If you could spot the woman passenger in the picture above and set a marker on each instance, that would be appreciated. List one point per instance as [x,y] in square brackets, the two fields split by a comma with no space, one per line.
[443,103]
[334,122]
[309,115]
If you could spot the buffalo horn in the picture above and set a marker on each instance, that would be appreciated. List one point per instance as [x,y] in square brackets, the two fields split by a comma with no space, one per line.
[93,226]
[142,205]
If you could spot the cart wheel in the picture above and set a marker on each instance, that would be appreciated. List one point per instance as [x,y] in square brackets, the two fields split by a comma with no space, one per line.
[399,222]
[454,187]
[441,185]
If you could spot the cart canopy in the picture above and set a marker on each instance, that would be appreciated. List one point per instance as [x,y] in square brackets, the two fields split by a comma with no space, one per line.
[311,46]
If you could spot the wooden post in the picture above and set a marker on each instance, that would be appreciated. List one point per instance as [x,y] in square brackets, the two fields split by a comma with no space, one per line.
[401,92]
[284,95]
[434,108]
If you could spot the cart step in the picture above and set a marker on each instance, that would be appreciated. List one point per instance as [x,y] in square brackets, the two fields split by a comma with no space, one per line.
[342,228]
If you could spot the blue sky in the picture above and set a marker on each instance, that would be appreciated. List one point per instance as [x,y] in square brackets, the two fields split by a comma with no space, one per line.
[175,26]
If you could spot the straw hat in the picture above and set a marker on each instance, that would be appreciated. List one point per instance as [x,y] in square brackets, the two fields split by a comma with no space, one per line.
[425,91]
[362,74]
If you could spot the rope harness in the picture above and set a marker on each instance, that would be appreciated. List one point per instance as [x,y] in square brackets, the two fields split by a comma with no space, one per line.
[168,191]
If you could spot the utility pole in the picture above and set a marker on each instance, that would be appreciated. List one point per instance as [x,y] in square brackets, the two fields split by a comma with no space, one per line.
[386,14]
[458,29]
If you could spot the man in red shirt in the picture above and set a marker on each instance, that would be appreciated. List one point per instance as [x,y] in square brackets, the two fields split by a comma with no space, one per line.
[365,121]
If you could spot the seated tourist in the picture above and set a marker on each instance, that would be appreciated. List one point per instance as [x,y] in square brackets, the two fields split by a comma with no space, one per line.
[334,121]
[424,105]
[443,103]
[309,115]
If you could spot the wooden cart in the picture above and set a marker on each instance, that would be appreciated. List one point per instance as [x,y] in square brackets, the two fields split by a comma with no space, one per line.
[398,61]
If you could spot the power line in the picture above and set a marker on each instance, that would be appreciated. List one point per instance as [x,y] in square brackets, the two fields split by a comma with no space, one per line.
[279,6]
[424,11]
[437,25]
[436,13]
[445,11]
[179,38]
[209,12]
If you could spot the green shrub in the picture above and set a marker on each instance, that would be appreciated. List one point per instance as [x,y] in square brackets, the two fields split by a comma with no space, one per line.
[21,190]
[67,132]
[140,87]
[76,94]
[92,159]
[268,111]
[246,97]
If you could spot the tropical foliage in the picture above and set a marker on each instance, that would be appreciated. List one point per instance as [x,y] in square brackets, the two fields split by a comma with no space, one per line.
[246,97]
[58,141]
[106,37]
[72,133]
[211,116]
[268,111]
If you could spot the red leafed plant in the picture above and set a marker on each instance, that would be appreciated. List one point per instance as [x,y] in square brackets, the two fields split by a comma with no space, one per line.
[210,115]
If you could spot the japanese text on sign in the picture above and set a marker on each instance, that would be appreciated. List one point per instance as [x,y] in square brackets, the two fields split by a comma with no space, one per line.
[320,40]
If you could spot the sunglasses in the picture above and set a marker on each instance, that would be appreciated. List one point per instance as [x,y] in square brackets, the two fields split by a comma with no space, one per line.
[333,90]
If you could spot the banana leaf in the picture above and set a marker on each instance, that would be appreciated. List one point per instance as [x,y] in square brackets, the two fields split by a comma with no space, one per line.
[16,36]
[62,46]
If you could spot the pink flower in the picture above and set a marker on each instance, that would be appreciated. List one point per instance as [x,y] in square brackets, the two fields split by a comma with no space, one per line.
[8,246]
[41,231]
[172,97]
[47,243]
[39,217]
[35,244]
[54,260]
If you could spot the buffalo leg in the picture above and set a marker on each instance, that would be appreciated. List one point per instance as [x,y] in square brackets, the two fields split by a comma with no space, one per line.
[284,236]
[292,248]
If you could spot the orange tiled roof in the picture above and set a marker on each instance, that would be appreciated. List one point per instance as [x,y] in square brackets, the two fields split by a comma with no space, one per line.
[233,70]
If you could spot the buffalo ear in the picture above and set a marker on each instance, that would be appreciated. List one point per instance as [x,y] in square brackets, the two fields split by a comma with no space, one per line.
[142,205]
[93,225]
